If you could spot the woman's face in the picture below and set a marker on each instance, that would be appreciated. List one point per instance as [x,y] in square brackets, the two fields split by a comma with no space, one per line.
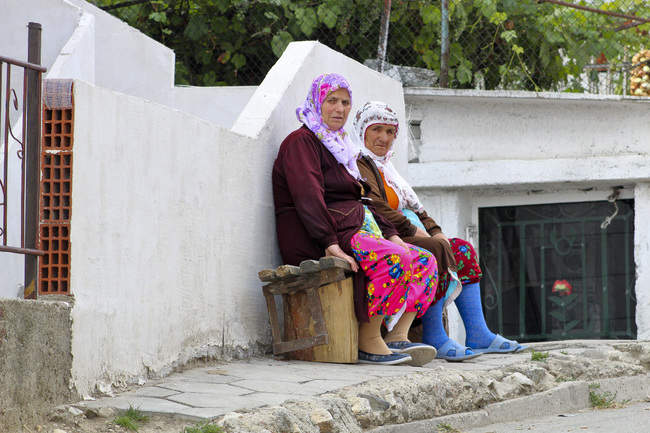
[379,138]
[335,109]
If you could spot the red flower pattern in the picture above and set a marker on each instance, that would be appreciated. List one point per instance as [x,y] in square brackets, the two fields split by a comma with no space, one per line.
[562,288]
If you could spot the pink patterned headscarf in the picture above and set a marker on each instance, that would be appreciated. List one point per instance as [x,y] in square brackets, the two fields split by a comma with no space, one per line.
[337,142]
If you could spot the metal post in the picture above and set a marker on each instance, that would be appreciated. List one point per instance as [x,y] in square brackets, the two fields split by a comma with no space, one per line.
[32,159]
[383,36]
[444,45]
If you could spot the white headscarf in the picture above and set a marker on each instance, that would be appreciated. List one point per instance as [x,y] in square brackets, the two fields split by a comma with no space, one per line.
[371,113]
[309,112]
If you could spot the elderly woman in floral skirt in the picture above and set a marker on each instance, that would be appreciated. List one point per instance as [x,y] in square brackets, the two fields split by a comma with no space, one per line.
[322,209]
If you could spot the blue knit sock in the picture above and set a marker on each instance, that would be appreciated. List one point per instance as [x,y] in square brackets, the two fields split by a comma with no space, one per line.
[434,334]
[471,311]
[433,330]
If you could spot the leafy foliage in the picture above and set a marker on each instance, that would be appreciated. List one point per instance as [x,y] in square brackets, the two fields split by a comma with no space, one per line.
[506,44]
[603,400]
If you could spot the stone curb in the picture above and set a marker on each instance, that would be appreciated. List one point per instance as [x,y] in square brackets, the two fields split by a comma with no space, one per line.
[565,398]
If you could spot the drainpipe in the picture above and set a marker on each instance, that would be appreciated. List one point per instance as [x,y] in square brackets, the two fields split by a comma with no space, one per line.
[444,46]
[383,36]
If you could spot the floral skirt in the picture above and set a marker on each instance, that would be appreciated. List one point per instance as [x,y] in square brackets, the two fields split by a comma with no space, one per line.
[468,269]
[399,280]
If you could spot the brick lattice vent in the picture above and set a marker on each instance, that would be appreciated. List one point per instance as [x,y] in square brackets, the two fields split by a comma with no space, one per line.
[56,196]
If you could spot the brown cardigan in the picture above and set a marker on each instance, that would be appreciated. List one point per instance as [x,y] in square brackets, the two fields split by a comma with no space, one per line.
[440,248]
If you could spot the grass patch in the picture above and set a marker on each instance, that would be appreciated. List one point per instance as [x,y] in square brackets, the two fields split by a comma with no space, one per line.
[132,419]
[564,352]
[203,428]
[538,356]
[601,400]
[446,428]
[566,379]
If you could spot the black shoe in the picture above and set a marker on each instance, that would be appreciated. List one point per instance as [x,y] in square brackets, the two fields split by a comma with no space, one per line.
[420,353]
[392,359]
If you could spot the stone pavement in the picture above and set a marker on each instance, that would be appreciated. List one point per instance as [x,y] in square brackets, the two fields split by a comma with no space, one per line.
[276,395]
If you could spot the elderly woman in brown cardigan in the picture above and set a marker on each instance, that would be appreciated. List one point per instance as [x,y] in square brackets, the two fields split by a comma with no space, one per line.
[376,126]
[321,209]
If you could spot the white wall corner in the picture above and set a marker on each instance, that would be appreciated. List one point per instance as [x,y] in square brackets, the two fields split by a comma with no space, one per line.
[641,254]
[273,105]
[77,57]
[266,99]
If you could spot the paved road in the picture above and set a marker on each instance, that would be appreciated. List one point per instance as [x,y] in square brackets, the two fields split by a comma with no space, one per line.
[634,418]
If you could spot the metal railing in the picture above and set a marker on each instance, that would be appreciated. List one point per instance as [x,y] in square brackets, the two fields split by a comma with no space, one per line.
[29,150]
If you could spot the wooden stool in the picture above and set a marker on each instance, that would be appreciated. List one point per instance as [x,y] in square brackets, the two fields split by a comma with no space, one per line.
[319,320]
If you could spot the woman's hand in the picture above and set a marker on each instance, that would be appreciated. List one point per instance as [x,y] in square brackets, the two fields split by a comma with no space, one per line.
[442,236]
[397,240]
[420,232]
[336,251]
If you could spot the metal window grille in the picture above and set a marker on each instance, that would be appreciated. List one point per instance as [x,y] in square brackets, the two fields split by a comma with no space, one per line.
[552,272]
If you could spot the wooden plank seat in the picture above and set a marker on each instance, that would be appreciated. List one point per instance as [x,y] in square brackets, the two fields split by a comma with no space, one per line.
[318,307]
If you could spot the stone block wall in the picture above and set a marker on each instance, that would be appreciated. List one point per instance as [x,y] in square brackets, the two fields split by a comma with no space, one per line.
[35,359]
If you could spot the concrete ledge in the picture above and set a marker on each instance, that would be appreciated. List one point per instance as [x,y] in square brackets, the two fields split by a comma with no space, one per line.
[460,421]
[567,397]
[635,388]
[493,94]
[519,174]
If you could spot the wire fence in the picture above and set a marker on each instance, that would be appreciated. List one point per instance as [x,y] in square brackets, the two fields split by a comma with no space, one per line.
[594,46]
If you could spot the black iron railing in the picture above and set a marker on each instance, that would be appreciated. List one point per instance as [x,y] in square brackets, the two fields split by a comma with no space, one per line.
[27,135]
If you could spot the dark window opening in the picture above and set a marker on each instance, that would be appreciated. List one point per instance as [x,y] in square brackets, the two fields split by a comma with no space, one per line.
[551,272]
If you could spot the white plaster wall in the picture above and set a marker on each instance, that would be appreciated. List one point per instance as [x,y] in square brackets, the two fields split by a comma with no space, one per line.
[642,258]
[172,218]
[164,249]
[12,265]
[58,18]
[126,60]
[487,126]
[281,93]
[77,56]
[67,49]
[219,105]
[82,42]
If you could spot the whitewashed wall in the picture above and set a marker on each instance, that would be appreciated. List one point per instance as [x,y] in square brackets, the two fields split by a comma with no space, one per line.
[172,218]
[172,211]
[82,42]
[218,105]
[59,20]
[126,60]
[281,93]
[161,261]
[484,149]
